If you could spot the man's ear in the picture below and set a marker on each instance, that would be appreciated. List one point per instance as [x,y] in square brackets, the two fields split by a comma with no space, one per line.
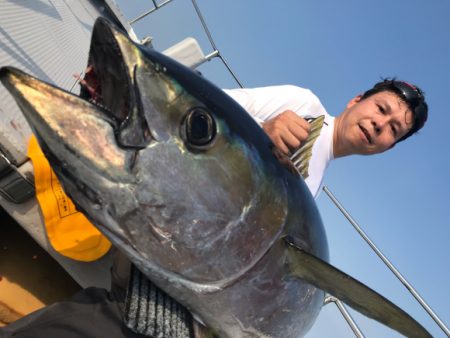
[353,101]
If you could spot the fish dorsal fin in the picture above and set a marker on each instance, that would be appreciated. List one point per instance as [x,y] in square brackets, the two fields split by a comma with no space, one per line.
[352,292]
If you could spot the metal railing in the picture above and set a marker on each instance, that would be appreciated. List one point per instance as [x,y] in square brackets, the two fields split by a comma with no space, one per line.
[215,53]
[348,318]
[386,261]
[156,6]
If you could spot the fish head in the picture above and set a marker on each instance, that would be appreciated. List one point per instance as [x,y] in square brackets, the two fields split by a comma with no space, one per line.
[166,164]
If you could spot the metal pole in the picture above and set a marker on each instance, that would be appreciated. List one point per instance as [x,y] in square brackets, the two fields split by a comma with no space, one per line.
[205,27]
[211,41]
[212,55]
[143,15]
[348,318]
[388,263]
[231,72]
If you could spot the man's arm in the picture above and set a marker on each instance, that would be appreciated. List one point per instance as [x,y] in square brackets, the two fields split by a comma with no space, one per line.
[279,110]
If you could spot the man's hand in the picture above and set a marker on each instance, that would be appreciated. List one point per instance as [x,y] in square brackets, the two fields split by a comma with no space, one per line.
[287,131]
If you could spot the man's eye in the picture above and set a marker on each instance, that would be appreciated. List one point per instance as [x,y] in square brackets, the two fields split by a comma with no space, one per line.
[394,130]
[381,109]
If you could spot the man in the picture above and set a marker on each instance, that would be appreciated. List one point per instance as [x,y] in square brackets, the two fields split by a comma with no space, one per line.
[371,123]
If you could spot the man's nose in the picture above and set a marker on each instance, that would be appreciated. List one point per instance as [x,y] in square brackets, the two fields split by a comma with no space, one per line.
[378,124]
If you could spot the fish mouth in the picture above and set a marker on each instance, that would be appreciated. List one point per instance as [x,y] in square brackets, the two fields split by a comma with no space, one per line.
[366,134]
[109,100]
[107,80]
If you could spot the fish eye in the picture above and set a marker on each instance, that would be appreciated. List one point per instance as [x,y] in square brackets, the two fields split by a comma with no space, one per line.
[200,127]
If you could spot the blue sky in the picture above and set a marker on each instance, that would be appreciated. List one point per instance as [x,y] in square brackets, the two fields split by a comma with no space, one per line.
[338,49]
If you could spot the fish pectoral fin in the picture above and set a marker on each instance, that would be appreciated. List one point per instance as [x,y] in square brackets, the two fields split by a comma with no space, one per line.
[352,292]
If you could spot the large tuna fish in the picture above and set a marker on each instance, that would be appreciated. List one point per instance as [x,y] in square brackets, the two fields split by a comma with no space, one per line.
[183,181]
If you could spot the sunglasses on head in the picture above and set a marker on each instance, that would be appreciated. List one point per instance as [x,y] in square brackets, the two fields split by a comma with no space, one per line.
[413,97]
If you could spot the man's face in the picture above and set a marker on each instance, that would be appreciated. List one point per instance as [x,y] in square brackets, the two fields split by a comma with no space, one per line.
[372,125]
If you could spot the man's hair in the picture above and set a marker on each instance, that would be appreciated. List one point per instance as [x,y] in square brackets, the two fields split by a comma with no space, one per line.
[412,95]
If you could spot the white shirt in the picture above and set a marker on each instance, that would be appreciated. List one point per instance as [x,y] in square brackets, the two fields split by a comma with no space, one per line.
[267,102]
